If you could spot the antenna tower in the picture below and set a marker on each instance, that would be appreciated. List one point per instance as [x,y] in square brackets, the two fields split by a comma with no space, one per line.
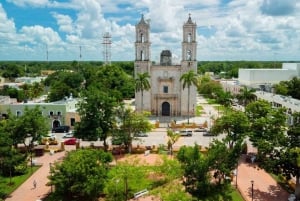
[106,48]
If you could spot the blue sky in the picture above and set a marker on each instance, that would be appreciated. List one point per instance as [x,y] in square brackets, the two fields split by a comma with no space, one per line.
[226,29]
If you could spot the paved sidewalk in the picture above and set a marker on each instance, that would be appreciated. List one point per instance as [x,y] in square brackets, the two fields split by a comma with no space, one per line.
[27,192]
[265,188]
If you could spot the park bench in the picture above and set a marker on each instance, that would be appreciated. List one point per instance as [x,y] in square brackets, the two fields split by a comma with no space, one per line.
[140,193]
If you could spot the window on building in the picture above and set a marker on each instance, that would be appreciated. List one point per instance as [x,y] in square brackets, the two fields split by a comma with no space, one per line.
[142,56]
[51,113]
[189,39]
[189,55]
[165,89]
[72,123]
[142,38]
[59,113]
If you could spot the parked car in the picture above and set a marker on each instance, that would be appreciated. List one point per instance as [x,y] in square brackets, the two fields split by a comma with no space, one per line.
[186,133]
[70,134]
[208,133]
[61,129]
[200,130]
[141,134]
[70,141]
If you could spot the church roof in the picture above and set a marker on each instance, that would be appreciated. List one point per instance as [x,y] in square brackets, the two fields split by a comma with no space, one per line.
[189,20]
[142,21]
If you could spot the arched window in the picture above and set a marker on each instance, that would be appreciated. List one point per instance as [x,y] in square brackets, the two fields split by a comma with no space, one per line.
[189,55]
[142,38]
[189,39]
[142,55]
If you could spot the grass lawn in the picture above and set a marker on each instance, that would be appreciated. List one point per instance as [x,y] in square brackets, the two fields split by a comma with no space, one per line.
[7,188]
[199,109]
[230,194]
[211,101]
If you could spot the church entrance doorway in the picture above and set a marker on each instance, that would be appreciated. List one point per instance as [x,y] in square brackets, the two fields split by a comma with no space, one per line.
[165,109]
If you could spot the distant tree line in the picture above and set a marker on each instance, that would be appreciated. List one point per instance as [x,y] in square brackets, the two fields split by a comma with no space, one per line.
[229,69]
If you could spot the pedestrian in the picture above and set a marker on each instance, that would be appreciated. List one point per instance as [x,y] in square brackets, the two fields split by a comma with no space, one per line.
[34,184]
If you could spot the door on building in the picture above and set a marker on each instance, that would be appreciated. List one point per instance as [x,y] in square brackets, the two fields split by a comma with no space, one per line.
[165,109]
[55,124]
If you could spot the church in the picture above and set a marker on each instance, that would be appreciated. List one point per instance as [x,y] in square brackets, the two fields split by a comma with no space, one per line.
[166,97]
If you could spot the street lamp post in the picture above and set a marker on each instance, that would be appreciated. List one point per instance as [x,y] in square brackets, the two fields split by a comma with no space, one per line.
[252,183]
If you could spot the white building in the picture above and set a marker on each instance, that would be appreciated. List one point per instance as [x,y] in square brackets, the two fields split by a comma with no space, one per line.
[292,105]
[231,85]
[166,96]
[257,78]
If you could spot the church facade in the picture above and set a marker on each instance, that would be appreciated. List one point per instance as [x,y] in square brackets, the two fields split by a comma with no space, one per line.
[166,96]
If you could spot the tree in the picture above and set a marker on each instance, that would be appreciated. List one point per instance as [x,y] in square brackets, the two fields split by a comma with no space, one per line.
[114,79]
[81,175]
[130,124]
[267,131]
[208,87]
[196,171]
[125,179]
[294,87]
[12,162]
[142,84]
[224,98]
[288,156]
[97,115]
[281,88]
[234,124]
[188,79]
[63,84]
[173,138]
[223,160]
[246,95]
[31,124]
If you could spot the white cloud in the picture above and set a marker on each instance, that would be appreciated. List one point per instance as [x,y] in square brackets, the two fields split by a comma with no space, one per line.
[38,34]
[35,3]
[7,28]
[241,29]
[65,22]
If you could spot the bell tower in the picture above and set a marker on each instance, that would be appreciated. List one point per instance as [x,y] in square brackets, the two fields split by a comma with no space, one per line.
[142,61]
[189,46]
[142,46]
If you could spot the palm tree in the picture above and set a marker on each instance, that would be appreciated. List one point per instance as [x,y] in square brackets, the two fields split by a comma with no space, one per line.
[246,95]
[142,84]
[189,78]
[173,138]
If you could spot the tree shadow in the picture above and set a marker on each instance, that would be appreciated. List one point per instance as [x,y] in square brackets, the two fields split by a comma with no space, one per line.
[275,193]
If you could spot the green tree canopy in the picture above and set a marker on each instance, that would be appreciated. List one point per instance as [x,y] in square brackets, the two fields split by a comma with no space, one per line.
[130,123]
[246,95]
[81,175]
[114,79]
[97,115]
[234,124]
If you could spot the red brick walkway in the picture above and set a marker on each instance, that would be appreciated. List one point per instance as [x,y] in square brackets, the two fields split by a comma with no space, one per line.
[27,192]
[265,187]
